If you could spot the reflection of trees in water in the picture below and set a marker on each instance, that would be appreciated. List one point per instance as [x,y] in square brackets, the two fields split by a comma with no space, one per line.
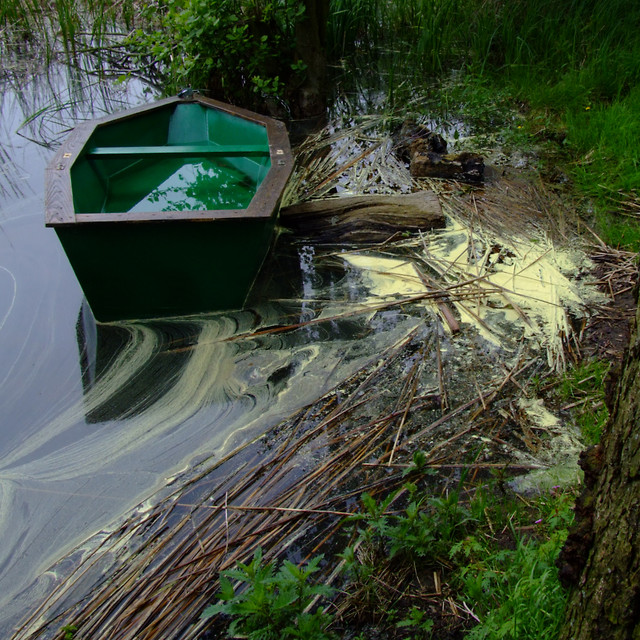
[41,102]
[205,186]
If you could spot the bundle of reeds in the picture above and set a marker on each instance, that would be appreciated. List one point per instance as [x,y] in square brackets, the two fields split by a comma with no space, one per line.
[293,492]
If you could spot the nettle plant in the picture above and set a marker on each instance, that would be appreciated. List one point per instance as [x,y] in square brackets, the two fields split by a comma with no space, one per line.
[235,50]
[265,602]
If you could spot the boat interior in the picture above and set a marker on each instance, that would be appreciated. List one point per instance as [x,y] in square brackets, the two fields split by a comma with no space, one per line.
[181,157]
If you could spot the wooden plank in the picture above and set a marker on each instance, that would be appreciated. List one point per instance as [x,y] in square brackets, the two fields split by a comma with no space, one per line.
[58,198]
[182,150]
[364,219]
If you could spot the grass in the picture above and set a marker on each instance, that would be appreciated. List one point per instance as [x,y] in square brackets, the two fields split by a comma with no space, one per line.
[516,589]
[517,592]
[605,140]
[64,25]
[583,389]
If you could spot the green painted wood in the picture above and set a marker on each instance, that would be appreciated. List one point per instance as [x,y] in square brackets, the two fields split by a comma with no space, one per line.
[187,157]
[172,207]
[178,150]
[150,270]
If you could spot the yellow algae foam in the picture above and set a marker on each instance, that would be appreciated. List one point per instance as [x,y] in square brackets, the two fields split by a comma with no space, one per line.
[559,455]
[393,279]
[387,278]
[537,413]
[511,287]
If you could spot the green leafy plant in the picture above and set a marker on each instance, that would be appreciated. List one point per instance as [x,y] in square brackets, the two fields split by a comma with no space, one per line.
[516,592]
[270,604]
[499,554]
[513,584]
[69,631]
[425,528]
[418,621]
[236,50]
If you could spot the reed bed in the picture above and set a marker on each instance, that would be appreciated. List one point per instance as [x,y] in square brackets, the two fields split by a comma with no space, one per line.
[351,159]
[293,494]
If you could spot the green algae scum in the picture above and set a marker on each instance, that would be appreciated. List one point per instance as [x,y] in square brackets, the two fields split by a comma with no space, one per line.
[168,209]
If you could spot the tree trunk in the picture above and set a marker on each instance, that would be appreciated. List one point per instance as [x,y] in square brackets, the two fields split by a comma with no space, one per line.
[605,597]
[311,41]
[364,219]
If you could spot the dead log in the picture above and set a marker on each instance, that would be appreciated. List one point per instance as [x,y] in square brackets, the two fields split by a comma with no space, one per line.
[363,219]
[461,166]
[428,157]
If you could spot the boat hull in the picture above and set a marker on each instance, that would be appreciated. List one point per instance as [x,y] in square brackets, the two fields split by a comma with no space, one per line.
[166,269]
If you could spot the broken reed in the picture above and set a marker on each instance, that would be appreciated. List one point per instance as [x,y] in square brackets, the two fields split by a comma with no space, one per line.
[295,494]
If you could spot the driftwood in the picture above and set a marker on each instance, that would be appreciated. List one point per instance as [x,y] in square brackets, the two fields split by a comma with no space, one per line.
[427,154]
[364,219]
[427,163]
[462,166]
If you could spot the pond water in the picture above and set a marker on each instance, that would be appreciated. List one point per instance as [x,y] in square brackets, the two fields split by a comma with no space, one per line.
[97,418]
[40,371]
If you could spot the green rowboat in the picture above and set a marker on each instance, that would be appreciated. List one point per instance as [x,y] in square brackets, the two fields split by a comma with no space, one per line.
[168,209]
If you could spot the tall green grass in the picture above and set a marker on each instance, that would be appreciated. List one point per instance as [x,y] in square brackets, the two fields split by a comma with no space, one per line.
[521,40]
[64,24]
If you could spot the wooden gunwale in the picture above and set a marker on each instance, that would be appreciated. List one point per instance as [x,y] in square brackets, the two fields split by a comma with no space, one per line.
[59,209]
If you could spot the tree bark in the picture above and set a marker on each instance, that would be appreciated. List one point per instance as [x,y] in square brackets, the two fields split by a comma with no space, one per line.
[311,45]
[605,598]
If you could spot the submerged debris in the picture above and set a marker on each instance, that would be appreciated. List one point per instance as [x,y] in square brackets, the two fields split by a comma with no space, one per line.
[461,166]
[427,154]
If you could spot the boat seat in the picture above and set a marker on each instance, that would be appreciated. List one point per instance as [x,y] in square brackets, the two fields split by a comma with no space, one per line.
[231,151]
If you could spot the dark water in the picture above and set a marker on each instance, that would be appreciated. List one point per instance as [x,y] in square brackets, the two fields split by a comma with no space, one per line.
[97,418]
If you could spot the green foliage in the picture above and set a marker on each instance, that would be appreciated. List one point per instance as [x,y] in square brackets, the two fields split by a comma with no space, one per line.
[515,592]
[418,621]
[509,579]
[424,529]
[270,604]
[239,50]
[69,631]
